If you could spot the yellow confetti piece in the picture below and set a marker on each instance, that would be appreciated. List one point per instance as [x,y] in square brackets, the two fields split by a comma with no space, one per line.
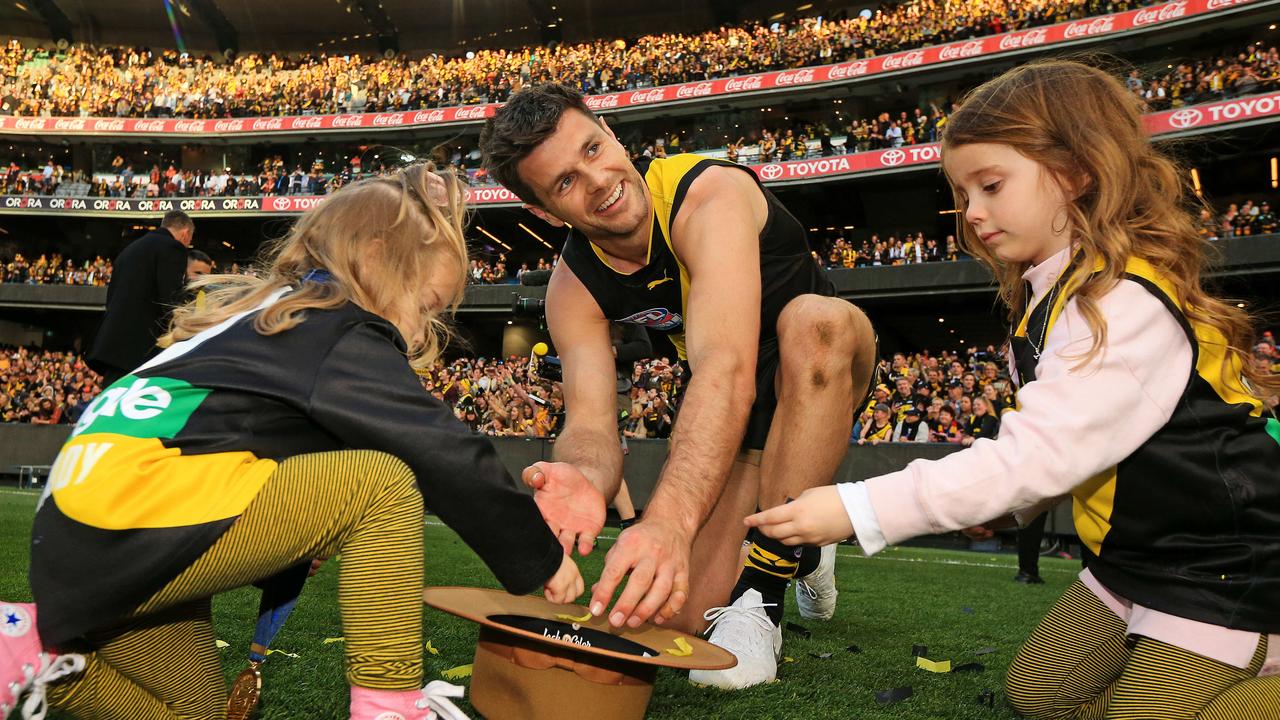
[221,644]
[941,666]
[431,648]
[330,641]
[571,618]
[282,652]
[462,671]
[682,648]
[786,660]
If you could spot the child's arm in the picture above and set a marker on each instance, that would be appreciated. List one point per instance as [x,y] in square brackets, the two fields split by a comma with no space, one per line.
[366,395]
[1073,424]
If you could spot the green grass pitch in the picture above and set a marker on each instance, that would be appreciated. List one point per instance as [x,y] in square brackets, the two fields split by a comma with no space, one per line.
[953,602]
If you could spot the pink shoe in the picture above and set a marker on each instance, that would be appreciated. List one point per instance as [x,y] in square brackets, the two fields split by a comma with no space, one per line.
[24,666]
[430,703]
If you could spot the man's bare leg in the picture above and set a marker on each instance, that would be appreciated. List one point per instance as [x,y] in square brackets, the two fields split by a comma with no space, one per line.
[827,354]
[715,560]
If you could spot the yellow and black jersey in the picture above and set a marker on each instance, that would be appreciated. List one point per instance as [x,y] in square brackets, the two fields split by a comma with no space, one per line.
[883,432]
[655,295]
[1189,524]
[167,458]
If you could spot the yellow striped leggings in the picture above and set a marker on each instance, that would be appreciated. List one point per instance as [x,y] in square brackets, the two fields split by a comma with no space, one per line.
[1080,665]
[162,663]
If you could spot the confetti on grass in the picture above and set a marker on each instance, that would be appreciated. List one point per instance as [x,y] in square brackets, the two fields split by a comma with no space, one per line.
[934,666]
[457,673]
[431,648]
[330,641]
[221,644]
[888,697]
[800,630]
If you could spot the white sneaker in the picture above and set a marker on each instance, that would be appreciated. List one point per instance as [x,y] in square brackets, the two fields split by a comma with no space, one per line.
[745,630]
[816,592]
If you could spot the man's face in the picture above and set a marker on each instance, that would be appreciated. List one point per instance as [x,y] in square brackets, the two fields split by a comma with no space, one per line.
[196,268]
[581,175]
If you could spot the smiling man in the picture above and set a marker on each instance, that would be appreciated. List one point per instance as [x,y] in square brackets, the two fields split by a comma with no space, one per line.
[698,250]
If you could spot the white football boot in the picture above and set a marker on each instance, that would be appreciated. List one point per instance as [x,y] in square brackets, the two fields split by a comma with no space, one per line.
[745,630]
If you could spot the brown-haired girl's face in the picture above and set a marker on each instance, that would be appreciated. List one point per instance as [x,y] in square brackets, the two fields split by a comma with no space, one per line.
[1010,201]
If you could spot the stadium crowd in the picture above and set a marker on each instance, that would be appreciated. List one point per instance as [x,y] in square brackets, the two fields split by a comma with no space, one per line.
[950,397]
[43,387]
[102,81]
[53,269]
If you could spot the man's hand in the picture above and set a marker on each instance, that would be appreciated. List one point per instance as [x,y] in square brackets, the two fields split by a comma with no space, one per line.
[817,517]
[571,505]
[655,556]
[566,585]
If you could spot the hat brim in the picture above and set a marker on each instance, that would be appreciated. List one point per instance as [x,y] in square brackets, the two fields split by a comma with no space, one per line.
[482,605]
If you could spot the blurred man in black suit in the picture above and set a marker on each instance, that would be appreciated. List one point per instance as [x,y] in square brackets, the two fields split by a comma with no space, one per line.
[146,282]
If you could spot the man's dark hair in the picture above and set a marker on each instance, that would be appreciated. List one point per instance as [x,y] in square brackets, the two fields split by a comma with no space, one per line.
[176,220]
[194,255]
[518,127]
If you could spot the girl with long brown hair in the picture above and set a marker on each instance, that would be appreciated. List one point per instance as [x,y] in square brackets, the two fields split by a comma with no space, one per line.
[282,422]
[1136,398]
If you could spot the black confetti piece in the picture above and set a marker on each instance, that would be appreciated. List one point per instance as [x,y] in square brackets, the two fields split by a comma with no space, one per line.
[919,650]
[972,667]
[854,649]
[987,699]
[800,630]
[887,697]
[984,651]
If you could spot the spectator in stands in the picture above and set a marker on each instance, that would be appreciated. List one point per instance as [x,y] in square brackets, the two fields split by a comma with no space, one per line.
[911,428]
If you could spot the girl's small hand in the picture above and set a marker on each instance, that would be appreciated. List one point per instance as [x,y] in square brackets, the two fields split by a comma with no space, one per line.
[817,517]
[566,585]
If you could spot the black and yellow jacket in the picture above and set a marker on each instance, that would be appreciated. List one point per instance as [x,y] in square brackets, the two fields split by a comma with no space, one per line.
[1189,523]
[166,459]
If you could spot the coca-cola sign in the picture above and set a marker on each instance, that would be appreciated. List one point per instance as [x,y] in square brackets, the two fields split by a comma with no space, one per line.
[848,70]
[740,84]
[148,126]
[1172,11]
[693,90]
[471,112]
[355,121]
[228,126]
[30,123]
[114,125]
[603,102]
[428,116]
[189,126]
[388,119]
[957,51]
[306,123]
[799,77]
[901,61]
[70,124]
[1030,38]
[1219,4]
[641,97]
[1086,28]
[268,124]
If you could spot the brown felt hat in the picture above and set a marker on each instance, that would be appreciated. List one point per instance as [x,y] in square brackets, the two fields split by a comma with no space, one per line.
[536,661]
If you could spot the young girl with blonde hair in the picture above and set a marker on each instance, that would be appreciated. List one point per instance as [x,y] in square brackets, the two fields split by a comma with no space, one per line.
[282,422]
[1136,398]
